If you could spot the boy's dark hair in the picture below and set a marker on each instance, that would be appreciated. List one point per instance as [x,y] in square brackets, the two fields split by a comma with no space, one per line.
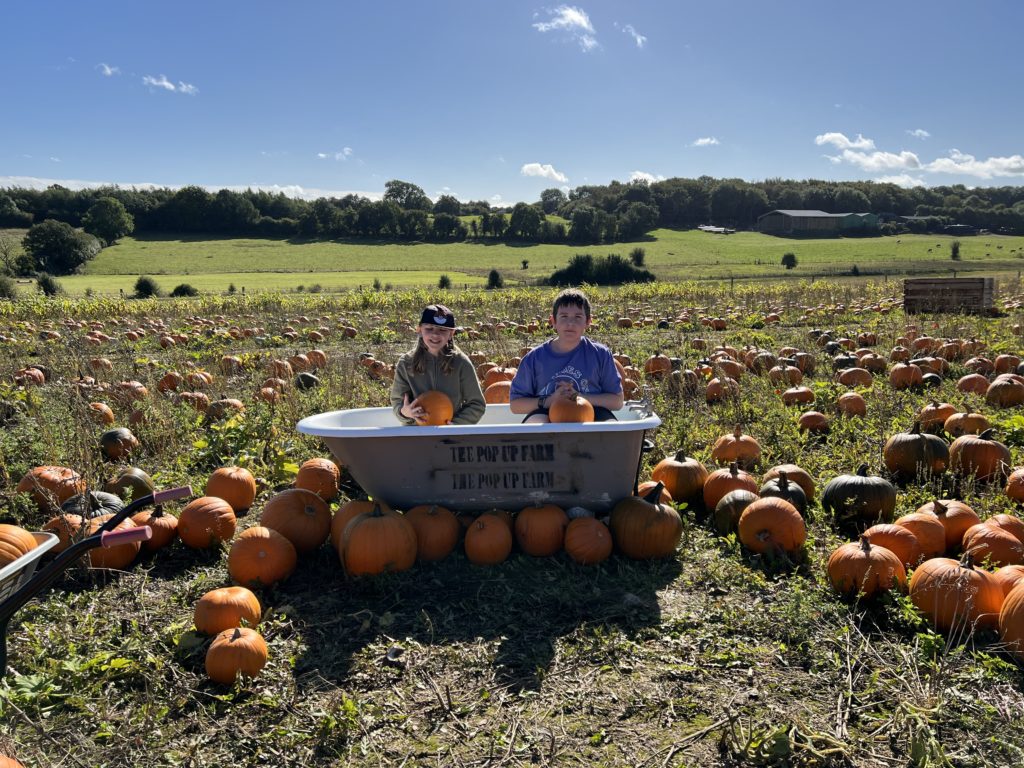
[571,297]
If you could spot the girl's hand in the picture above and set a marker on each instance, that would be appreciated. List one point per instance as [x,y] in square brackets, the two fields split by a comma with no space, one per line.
[564,389]
[412,410]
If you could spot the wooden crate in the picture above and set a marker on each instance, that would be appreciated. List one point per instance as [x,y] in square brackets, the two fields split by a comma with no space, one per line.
[959,295]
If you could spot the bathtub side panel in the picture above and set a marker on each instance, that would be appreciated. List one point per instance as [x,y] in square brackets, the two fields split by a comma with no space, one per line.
[593,470]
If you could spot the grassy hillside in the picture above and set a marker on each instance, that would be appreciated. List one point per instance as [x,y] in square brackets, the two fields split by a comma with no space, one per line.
[214,264]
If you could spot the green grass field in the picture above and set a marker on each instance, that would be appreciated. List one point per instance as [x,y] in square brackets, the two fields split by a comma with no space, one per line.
[214,264]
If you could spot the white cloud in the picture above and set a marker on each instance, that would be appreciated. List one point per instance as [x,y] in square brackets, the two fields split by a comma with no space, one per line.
[571,21]
[639,39]
[54,159]
[961,163]
[167,85]
[546,171]
[107,70]
[646,177]
[902,180]
[706,141]
[290,190]
[344,154]
[957,163]
[496,200]
[839,141]
[881,161]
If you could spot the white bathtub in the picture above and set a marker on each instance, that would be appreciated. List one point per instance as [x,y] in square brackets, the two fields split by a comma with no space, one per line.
[498,462]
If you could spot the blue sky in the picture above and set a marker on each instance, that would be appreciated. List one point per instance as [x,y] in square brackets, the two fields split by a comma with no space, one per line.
[492,100]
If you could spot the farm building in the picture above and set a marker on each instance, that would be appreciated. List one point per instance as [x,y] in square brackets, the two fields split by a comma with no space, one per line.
[782,222]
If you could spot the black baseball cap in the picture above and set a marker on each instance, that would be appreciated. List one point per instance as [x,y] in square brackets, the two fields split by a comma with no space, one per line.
[437,314]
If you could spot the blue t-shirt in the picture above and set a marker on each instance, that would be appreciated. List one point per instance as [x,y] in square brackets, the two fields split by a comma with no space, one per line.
[589,367]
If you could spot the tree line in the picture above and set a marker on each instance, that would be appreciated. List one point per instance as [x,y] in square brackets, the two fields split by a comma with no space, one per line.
[589,214]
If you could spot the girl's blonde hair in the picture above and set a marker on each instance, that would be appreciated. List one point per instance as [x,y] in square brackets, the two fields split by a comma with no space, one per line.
[421,354]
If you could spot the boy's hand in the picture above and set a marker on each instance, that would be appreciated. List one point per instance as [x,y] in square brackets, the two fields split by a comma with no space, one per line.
[565,389]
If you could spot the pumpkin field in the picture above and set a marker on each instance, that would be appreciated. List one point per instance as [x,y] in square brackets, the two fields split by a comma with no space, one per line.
[824,565]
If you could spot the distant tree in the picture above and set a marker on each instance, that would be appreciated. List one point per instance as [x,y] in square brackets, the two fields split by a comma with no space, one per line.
[412,225]
[184,289]
[232,212]
[789,260]
[47,285]
[586,225]
[552,199]
[58,248]
[11,262]
[526,263]
[447,227]
[11,215]
[819,198]
[146,287]
[637,256]
[448,204]
[851,200]
[444,282]
[637,219]
[108,220]
[525,221]
[495,280]
[379,219]
[8,288]
[406,195]
[954,250]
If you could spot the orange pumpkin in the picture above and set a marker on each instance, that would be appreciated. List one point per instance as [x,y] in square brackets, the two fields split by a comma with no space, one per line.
[859,568]
[488,540]
[260,557]
[376,542]
[226,608]
[955,595]
[163,524]
[437,531]
[588,540]
[644,528]
[300,516]
[51,486]
[570,410]
[234,652]
[206,522]
[437,406]
[15,542]
[899,540]
[771,524]
[321,476]
[236,485]
[540,529]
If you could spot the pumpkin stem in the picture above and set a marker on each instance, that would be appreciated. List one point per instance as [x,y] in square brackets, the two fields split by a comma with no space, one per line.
[916,429]
[680,455]
[737,432]
[865,543]
[862,470]
[237,633]
[783,480]
[654,495]
[939,508]
[734,469]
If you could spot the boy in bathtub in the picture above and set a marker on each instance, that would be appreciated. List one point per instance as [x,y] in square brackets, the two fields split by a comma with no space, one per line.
[567,364]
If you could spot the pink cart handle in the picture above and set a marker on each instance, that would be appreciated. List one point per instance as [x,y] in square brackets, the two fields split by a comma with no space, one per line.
[126,536]
[159,497]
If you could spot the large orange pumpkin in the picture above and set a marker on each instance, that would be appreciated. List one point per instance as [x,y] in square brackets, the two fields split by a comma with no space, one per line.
[51,486]
[300,516]
[15,542]
[644,528]
[540,529]
[321,476]
[858,568]
[956,595]
[588,540]
[206,522]
[437,406]
[570,410]
[162,523]
[771,524]
[236,485]
[116,557]
[233,652]
[683,477]
[260,557]
[899,540]
[488,540]
[376,542]
[226,608]
[437,531]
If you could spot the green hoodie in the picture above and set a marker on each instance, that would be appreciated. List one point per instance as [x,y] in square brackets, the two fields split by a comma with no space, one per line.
[461,385]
